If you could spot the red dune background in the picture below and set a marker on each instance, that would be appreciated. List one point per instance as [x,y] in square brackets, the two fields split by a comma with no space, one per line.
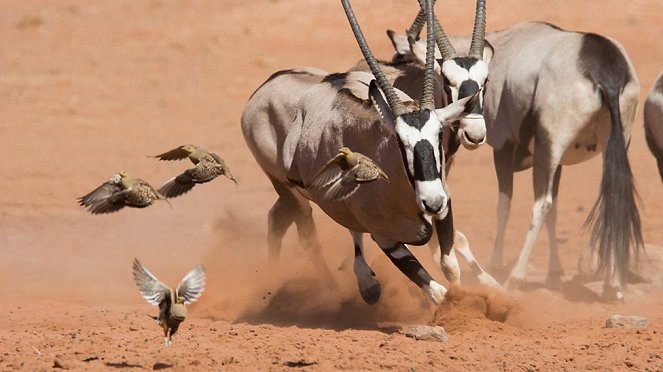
[88,88]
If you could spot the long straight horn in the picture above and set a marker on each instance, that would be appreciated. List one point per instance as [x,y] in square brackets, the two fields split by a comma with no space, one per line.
[427,96]
[446,49]
[392,98]
[418,23]
[479,33]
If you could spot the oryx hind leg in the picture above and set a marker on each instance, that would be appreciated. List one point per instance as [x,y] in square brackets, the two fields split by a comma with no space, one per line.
[452,241]
[555,271]
[408,264]
[462,246]
[546,162]
[451,268]
[292,207]
[369,286]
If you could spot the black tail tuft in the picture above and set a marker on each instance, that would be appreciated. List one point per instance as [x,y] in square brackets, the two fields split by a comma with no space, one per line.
[615,219]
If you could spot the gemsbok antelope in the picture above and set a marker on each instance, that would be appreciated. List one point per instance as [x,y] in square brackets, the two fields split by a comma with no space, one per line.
[348,109]
[654,122]
[462,76]
[557,98]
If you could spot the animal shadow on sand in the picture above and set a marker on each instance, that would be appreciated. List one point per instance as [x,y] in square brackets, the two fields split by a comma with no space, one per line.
[312,303]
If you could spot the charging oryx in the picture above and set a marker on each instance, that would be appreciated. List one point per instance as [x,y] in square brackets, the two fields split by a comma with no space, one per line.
[654,122]
[348,109]
[462,76]
[559,98]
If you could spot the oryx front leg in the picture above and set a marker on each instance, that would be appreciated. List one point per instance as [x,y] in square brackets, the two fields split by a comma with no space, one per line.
[503,160]
[369,287]
[408,264]
[445,235]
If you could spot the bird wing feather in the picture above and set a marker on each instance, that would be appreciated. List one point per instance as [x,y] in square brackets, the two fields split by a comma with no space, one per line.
[102,192]
[192,285]
[152,290]
[329,173]
[175,154]
[177,186]
[342,188]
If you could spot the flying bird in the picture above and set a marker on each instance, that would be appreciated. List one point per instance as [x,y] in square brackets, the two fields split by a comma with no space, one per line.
[121,190]
[345,172]
[172,305]
[208,166]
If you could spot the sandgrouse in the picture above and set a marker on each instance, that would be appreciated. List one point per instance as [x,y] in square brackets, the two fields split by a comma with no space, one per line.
[208,166]
[121,190]
[172,305]
[345,172]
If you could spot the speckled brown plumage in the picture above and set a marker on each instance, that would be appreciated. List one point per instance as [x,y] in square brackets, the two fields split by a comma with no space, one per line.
[344,173]
[121,190]
[208,166]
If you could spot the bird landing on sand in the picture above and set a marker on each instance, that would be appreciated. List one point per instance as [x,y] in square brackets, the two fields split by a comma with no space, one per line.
[172,305]
[121,190]
[345,172]
[208,166]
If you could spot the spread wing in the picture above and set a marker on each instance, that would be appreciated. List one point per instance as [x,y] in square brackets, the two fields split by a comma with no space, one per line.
[342,188]
[192,285]
[149,286]
[329,173]
[179,185]
[102,199]
[174,154]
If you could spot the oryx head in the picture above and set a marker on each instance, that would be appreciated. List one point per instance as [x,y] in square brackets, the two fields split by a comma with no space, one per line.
[418,130]
[463,76]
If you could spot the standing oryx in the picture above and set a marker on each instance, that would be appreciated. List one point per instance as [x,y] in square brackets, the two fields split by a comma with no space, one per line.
[559,98]
[654,122]
[348,109]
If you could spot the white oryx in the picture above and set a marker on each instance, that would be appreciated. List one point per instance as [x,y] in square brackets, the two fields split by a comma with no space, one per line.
[348,109]
[654,122]
[559,98]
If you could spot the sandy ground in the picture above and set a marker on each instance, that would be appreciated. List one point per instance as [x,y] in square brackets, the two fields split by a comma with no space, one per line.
[91,87]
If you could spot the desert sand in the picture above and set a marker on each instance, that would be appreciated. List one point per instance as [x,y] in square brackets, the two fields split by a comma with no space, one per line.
[88,88]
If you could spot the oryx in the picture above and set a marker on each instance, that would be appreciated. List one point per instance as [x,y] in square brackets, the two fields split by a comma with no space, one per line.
[654,122]
[461,75]
[557,98]
[348,109]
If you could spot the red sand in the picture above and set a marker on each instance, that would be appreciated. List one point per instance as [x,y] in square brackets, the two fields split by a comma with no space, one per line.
[89,88]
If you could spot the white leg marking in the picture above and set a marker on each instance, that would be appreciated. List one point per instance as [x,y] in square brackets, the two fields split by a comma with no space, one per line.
[435,291]
[503,212]
[462,246]
[450,267]
[539,211]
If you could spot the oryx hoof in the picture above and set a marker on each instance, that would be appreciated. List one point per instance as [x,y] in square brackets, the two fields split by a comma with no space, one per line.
[369,289]
[611,294]
[554,281]
[514,284]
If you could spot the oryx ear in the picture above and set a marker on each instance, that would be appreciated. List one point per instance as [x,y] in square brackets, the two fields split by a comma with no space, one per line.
[459,109]
[380,103]
[399,42]
[488,51]
[418,50]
